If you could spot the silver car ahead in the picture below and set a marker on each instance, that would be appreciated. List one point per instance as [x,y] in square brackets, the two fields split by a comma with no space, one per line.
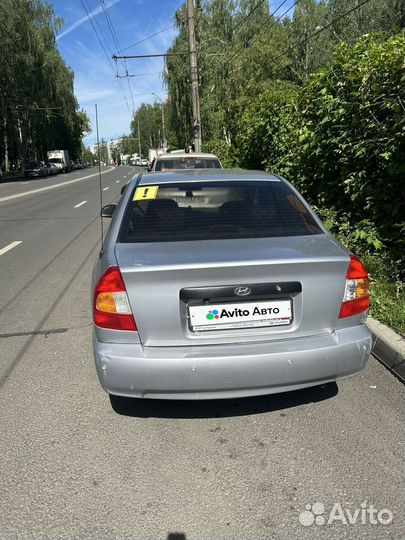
[219,284]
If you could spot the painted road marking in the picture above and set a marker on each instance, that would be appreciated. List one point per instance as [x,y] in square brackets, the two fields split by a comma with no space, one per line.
[117,181]
[39,190]
[10,246]
[80,204]
[105,189]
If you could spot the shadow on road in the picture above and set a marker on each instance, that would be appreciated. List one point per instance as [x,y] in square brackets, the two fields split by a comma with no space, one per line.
[8,179]
[219,408]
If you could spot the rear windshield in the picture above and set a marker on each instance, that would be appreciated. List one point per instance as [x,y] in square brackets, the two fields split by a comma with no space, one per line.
[207,211]
[187,163]
[30,164]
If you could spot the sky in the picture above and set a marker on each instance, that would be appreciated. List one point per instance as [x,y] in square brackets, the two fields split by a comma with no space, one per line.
[95,78]
[95,72]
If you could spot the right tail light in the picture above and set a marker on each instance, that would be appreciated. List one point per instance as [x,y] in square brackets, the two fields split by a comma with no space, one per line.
[356,298]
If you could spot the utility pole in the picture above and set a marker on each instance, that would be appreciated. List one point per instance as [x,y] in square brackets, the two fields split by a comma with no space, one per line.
[163,120]
[6,165]
[139,141]
[194,77]
[163,126]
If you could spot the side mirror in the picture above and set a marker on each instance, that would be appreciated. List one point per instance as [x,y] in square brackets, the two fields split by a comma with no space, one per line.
[124,187]
[108,210]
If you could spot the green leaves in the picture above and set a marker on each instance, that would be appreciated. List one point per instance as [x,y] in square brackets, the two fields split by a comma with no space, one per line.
[37,101]
[340,140]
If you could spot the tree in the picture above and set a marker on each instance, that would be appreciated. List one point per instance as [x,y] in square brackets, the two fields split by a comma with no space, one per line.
[37,102]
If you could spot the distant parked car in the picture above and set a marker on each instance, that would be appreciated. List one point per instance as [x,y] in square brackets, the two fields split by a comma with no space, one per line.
[219,284]
[35,169]
[182,160]
[144,163]
[52,168]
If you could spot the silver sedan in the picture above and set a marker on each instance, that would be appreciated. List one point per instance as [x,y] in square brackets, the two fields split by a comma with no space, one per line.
[220,284]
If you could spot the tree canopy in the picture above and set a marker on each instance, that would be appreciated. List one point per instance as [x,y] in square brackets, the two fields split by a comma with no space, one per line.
[38,108]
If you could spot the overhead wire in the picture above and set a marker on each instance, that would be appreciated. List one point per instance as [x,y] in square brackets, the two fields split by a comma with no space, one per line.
[138,74]
[105,52]
[242,50]
[240,23]
[146,38]
[317,32]
[116,42]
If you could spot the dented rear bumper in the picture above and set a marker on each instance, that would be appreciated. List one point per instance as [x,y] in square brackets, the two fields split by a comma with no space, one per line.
[229,371]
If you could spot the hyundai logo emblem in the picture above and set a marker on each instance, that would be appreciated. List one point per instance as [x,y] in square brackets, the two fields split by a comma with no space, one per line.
[242,291]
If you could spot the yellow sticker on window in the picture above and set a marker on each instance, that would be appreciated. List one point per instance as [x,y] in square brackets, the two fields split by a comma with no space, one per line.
[146,193]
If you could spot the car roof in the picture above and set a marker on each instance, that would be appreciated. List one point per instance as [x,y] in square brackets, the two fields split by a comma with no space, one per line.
[201,175]
[177,155]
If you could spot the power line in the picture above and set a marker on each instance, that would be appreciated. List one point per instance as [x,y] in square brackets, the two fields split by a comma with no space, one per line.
[242,50]
[109,23]
[247,16]
[116,42]
[148,37]
[115,57]
[97,34]
[333,21]
[105,52]
[116,68]
[138,74]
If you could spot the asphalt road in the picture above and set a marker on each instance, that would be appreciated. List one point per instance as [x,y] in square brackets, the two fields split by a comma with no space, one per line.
[73,467]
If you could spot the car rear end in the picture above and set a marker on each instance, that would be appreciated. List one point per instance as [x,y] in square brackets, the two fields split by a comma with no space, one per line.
[224,285]
[187,161]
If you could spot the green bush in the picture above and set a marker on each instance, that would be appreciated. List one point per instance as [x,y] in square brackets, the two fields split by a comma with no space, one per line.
[387,303]
[221,149]
[341,140]
[265,126]
[387,291]
[347,142]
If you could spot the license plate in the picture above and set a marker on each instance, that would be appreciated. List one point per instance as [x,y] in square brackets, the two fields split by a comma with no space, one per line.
[240,315]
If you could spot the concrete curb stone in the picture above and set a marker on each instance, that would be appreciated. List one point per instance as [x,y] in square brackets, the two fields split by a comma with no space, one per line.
[388,347]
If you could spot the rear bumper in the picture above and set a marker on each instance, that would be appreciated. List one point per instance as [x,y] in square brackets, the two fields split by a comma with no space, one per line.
[229,371]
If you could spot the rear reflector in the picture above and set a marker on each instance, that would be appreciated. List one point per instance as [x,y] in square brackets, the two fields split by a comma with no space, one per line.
[356,298]
[111,305]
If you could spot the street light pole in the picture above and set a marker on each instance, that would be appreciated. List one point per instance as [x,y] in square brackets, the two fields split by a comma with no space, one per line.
[194,77]
[139,141]
[163,119]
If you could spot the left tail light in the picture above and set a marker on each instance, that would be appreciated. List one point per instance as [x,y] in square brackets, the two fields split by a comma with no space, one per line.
[111,307]
[356,298]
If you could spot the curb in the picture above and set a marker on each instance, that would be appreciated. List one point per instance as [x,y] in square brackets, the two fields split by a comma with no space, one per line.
[388,347]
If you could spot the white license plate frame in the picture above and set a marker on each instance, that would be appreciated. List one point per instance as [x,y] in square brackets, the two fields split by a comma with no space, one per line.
[202,317]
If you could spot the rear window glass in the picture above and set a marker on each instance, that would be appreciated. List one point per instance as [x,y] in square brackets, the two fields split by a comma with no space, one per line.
[203,211]
[187,163]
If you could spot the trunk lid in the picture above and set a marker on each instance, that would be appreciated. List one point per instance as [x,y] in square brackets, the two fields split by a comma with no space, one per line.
[164,279]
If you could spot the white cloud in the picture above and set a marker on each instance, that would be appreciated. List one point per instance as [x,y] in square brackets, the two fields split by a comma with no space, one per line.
[84,19]
[95,82]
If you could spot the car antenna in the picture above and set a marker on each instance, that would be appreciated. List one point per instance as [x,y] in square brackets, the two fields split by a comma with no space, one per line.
[100,185]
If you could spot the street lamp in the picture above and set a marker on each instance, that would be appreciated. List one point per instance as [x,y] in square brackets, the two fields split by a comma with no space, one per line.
[164,145]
